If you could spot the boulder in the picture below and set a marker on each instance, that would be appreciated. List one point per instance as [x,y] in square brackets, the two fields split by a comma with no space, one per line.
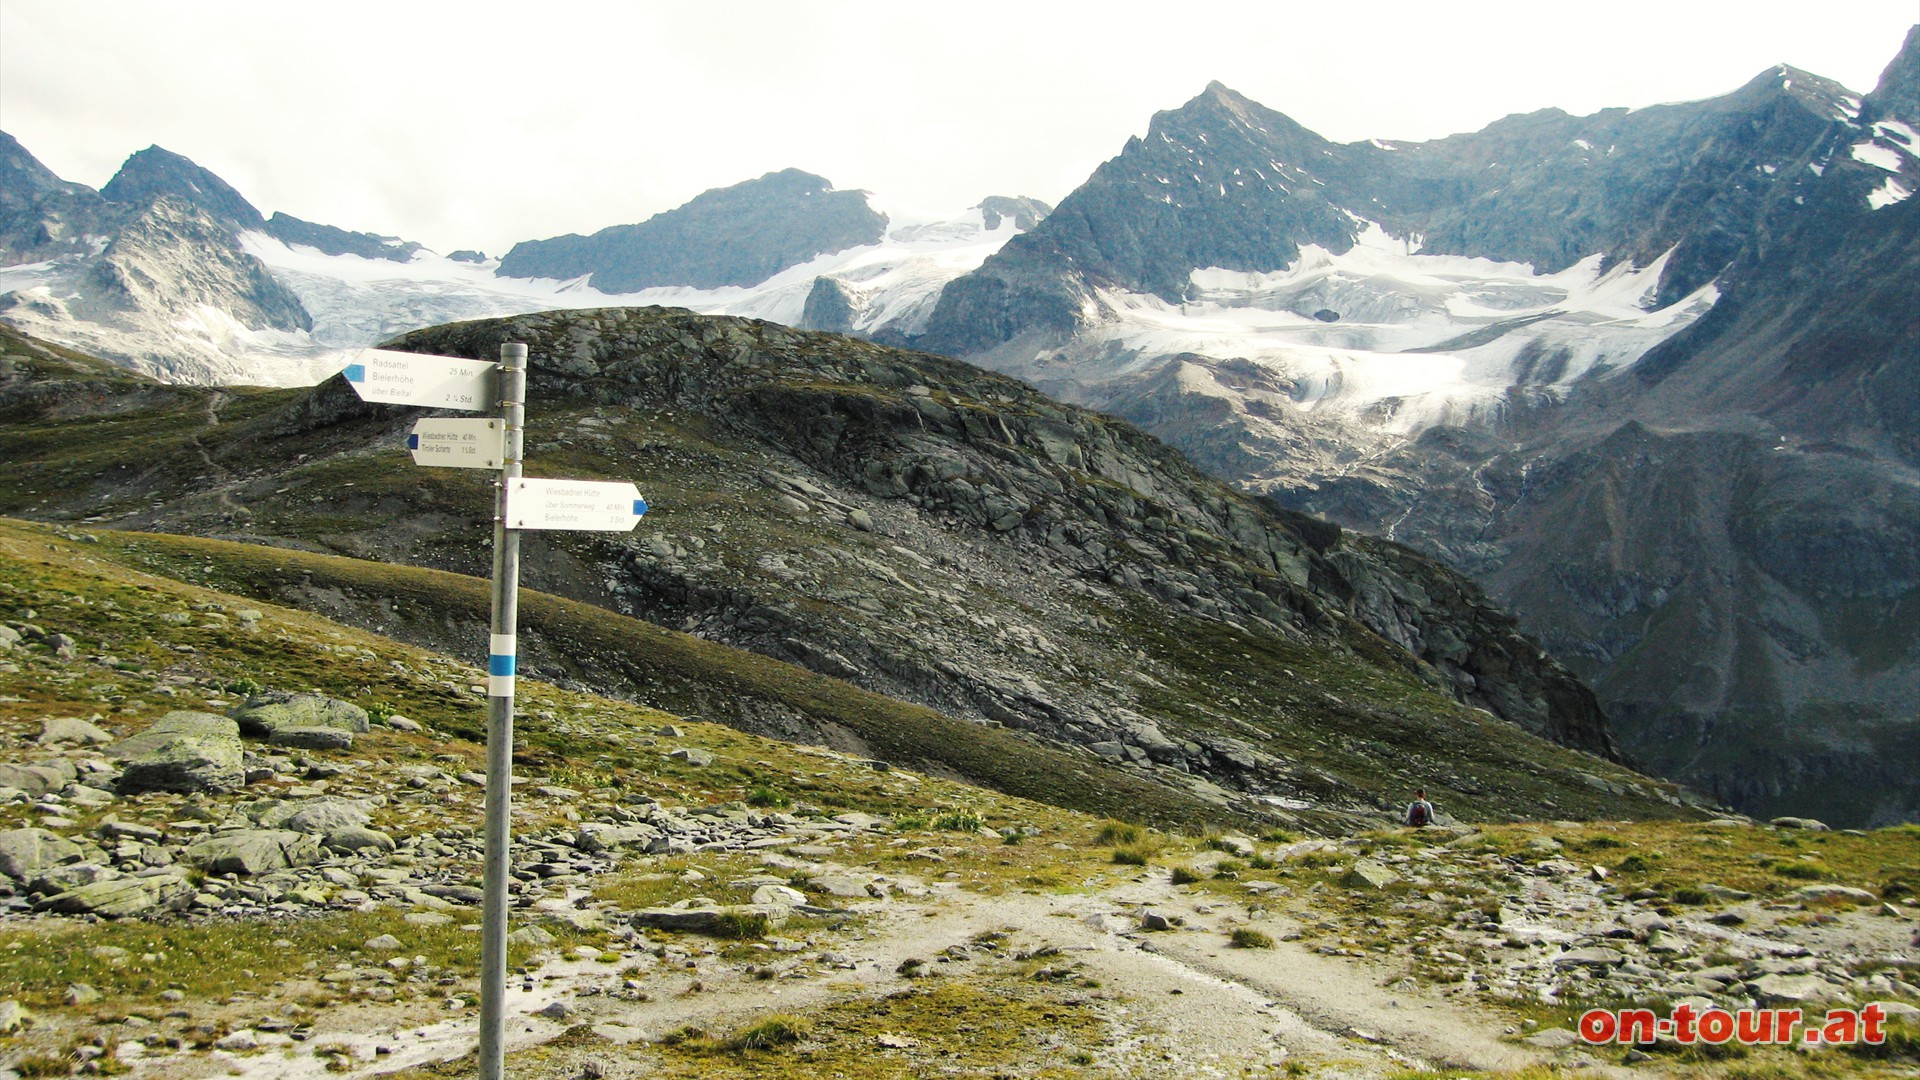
[1809,824]
[311,738]
[353,839]
[692,756]
[68,876]
[38,779]
[316,816]
[119,898]
[718,919]
[183,752]
[254,851]
[72,731]
[1599,958]
[1367,874]
[1770,990]
[275,716]
[1834,894]
[26,853]
[778,895]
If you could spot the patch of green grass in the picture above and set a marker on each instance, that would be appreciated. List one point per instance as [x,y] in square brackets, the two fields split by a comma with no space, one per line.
[781,1029]
[743,925]
[957,821]
[768,798]
[1244,937]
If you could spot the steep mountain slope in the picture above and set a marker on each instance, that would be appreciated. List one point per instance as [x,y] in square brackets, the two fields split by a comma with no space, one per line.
[1648,375]
[918,528]
[739,235]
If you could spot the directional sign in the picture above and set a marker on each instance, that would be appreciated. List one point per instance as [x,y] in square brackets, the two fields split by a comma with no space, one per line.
[459,442]
[403,378]
[587,505]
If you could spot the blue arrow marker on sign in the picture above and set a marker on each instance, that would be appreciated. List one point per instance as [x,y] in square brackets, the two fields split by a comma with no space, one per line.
[639,507]
[413,442]
[355,372]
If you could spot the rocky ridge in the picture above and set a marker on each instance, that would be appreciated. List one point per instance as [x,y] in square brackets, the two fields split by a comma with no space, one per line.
[738,235]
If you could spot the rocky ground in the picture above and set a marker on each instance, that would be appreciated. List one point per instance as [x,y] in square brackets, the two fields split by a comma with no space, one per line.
[645,926]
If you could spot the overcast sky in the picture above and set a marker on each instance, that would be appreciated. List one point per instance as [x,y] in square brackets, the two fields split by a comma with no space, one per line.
[477,124]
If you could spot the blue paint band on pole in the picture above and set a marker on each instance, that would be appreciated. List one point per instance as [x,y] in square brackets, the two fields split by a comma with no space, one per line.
[501,665]
[355,372]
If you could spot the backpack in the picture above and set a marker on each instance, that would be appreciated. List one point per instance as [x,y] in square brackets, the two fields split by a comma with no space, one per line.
[1419,814]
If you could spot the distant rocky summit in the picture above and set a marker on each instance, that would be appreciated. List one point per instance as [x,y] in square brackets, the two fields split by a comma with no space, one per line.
[739,235]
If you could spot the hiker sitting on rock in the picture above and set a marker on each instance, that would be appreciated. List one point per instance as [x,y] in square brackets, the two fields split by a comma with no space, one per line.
[1420,811]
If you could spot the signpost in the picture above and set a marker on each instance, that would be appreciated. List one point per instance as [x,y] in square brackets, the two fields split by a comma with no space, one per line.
[459,442]
[588,505]
[447,382]
[439,382]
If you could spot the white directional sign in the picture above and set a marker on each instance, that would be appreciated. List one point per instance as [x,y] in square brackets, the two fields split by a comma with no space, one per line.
[459,442]
[403,378]
[587,505]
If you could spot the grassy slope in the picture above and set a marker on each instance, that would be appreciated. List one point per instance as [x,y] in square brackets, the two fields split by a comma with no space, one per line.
[1357,731]
[150,643]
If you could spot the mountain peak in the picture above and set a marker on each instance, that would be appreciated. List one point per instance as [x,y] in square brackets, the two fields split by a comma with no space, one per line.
[156,172]
[22,176]
[1898,94]
[738,235]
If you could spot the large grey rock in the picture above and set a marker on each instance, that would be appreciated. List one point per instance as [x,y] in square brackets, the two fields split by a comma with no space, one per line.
[317,816]
[358,838]
[1599,958]
[266,716]
[39,778]
[120,898]
[26,853]
[707,920]
[1834,894]
[254,851]
[311,737]
[1794,990]
[72,731]
[67,876]
[1367,874]
[183,752]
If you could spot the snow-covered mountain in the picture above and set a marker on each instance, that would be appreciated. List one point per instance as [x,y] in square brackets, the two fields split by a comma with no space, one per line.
[1650,375]
[295,299]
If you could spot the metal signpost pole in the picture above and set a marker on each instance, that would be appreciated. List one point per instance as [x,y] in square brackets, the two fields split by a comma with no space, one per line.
[523,502]
[501,661]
